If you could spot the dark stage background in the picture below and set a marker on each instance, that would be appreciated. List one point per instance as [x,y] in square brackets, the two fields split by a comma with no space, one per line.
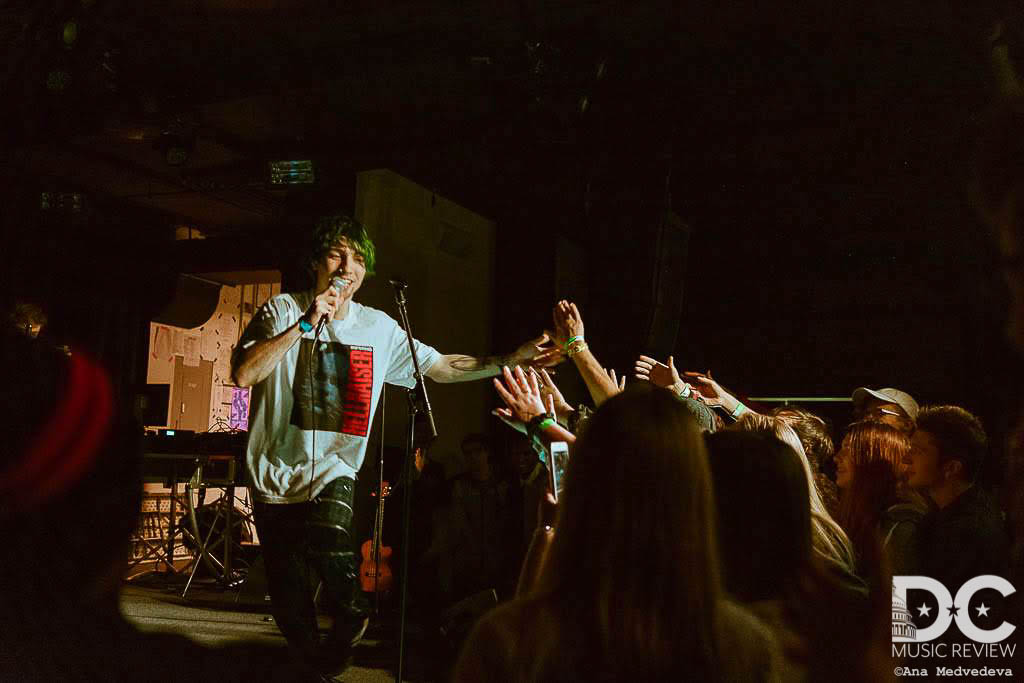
[815,158]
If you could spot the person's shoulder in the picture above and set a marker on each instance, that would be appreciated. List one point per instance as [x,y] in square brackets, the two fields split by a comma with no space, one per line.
[509,615]
[524,622]
[492,650]
[982,501]
[370,316]
[979,516]
[738,621]
[909,509]
[748,645]
[287,303]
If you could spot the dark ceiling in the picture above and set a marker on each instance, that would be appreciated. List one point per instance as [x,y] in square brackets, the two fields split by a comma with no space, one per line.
[818,149]
[468,97]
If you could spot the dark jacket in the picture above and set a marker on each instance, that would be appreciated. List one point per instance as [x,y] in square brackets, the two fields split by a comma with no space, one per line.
[967,538]
[900,530]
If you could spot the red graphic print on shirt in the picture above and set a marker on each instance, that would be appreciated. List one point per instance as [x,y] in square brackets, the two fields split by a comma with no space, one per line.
[359,394]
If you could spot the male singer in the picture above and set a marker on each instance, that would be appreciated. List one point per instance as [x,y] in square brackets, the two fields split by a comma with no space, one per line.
[317,362]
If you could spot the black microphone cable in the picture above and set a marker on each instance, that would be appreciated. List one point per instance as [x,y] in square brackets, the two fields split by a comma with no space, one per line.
[336,284]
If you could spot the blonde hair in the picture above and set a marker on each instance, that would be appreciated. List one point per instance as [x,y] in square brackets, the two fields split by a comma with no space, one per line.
[828,538]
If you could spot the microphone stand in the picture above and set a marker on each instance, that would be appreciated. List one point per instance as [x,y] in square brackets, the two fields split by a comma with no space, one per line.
[418,402]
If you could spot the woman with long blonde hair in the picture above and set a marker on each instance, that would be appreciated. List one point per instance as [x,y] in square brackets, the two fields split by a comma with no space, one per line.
[829,540]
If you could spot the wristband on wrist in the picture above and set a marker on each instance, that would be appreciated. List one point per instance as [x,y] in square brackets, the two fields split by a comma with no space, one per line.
[685,393]
[575,347]
[739,410]
[570,340]
[538,424]
[305,325]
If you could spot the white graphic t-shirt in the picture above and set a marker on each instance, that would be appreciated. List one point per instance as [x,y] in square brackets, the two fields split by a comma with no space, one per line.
[329,398]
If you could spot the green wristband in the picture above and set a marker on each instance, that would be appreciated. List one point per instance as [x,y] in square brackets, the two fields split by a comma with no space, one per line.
[739,410]
[578,337]
[538,424]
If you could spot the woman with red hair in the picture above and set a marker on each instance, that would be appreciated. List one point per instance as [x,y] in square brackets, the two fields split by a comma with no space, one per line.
[876,509]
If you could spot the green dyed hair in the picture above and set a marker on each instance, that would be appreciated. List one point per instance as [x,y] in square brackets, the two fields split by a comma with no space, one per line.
[331,229]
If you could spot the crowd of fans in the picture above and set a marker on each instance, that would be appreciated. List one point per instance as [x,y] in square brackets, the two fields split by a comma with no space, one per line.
[686,513]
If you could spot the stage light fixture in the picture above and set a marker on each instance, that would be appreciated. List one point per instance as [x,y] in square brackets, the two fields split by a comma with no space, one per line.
[295,172]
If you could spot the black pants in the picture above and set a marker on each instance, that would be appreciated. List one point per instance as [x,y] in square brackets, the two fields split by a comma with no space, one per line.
[303,543]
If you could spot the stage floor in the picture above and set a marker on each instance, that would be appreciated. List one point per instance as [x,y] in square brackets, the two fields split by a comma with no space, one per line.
[213,616]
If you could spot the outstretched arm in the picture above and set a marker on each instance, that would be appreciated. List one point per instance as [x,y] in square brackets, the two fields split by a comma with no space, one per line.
[661,375]
[569,333]
[714,395]
[536,553]
[455,367]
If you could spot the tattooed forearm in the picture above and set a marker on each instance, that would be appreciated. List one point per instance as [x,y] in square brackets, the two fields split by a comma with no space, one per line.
[471,364]
[459,368]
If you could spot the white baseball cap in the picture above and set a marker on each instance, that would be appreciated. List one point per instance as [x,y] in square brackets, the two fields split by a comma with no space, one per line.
[888,395]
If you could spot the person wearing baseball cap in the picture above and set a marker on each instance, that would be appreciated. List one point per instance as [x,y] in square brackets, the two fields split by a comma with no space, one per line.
[894,407]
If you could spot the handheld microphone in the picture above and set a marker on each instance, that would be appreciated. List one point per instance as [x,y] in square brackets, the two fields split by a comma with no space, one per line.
[337,284]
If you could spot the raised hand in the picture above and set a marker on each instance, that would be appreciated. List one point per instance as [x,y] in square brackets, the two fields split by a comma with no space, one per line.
[509,418]
[568,322]
[658,374]
[711,391]
[548,390]
[620,384]
[521,394]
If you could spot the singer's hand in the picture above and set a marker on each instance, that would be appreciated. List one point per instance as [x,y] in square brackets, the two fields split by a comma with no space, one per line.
[538,353]
[324,304]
